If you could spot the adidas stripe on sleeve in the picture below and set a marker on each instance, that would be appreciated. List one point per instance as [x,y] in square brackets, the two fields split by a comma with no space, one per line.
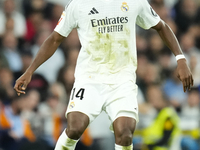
[68,19]
[147,17]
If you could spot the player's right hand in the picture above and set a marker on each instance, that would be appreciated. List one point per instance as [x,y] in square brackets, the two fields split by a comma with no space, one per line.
[21,83]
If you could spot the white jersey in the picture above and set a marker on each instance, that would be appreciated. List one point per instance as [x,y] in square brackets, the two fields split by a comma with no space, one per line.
[106,29]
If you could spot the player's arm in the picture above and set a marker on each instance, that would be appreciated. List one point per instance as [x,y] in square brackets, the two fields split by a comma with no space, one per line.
[167,35]
[46,51]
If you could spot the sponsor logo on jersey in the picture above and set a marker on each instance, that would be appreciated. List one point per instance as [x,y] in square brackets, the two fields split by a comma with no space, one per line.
[72,105]
[124,7]
[108,25]
[93,11]
[109,21]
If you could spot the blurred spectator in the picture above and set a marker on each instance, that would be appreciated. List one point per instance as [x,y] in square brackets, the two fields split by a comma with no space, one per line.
[14,131]
[187,43]
[194,30]
[197,31]
[12,20]
[6,84]
[141,71]
[141,43]
[186,14]
[163,133]
[155,47]
[29,112]
[58,90]
[52,111]
[195,68]
[153,71]
[56,13]
[46,25]
[170,3]
[42,6]
[189,121]
[102,136]
[146,113]
[51,67]
[33,23]
[159,7]
[3,60]
[66,76]
[39,83]
[151,75]
[26,57]
[164,59]
[10,52]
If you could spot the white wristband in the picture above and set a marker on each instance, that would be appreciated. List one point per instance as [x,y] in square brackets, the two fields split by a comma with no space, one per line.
[180,56]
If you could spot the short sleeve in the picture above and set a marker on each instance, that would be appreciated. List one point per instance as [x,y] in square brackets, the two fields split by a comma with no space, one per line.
[147,17]
[68,20]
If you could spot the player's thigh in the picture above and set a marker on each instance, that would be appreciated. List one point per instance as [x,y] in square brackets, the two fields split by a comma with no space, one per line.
[123,102]
[85,99]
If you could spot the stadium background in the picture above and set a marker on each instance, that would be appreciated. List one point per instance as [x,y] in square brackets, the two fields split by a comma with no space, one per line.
[36,119]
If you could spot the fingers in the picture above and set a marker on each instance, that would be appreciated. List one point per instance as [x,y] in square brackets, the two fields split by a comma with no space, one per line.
[187,83]
[192,81]
[184,85]
[24,86]
[19,88]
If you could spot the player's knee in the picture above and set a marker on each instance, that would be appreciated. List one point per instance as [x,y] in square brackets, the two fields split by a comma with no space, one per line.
[74,133]
[124,138]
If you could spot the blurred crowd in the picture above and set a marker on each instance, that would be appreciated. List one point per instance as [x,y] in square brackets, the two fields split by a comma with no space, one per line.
[169,118]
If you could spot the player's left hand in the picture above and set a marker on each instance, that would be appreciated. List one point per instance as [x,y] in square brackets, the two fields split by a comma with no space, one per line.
[184,74]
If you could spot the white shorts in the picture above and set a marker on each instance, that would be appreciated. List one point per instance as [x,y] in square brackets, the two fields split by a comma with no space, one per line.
[93,98]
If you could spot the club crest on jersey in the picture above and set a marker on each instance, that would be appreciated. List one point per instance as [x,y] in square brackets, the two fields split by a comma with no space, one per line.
[124,7]
[71,105]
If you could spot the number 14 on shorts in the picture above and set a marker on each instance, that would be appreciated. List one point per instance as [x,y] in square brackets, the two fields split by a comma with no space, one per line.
[78,94]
